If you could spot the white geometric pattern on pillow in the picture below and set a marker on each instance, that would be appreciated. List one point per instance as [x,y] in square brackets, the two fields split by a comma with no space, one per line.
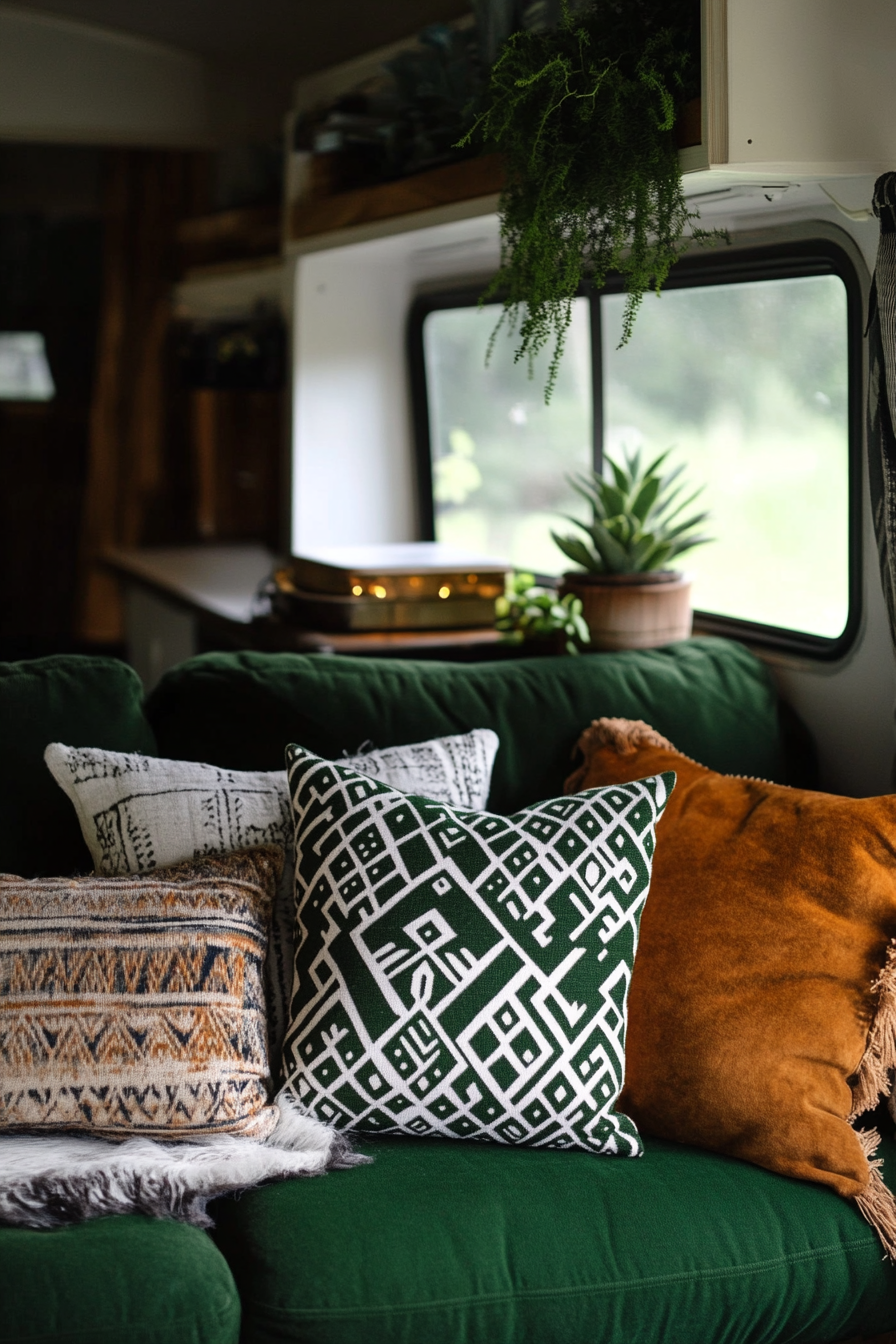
[143,812]
[461,973]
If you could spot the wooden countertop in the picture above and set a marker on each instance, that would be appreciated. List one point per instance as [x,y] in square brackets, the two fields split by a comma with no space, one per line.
[218,584]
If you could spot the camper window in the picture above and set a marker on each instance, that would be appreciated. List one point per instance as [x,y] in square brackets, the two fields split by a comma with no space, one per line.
[747,368]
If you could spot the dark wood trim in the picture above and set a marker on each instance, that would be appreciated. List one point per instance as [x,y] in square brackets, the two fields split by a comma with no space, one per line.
[464,181]
[689,126]
[229,235]
[455,182]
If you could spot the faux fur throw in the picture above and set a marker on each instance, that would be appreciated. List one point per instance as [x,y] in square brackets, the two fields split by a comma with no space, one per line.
[55,1179]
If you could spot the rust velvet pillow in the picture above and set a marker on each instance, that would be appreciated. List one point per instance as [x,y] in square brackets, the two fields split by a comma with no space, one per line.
[768,923]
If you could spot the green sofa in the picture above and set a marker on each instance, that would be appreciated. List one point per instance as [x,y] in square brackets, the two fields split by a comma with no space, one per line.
[434,1242]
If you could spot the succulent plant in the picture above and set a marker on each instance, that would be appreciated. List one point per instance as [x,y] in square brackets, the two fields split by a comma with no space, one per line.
[636,518]
[530,612]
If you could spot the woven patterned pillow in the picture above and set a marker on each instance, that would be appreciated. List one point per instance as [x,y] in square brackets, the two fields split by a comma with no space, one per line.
[465,974]
[140,812]
[135,1006]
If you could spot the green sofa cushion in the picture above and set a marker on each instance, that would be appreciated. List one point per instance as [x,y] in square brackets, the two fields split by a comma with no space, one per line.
[116,1281]
[83,701]
[711,697]
[449,1243]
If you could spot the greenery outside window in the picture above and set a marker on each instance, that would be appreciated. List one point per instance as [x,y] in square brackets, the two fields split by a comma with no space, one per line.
[747,366]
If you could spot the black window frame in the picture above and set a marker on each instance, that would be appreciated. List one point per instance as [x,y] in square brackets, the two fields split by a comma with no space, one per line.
[734,264]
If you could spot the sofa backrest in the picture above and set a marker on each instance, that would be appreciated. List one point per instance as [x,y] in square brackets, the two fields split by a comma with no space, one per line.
[84,701]
[711,697]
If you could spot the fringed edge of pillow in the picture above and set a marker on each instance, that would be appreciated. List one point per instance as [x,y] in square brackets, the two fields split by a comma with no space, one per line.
[876,1203]
[873,1078]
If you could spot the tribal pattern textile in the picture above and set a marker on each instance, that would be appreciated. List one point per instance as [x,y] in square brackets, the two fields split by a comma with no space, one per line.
[138,813]
[135,1006]
[464,974]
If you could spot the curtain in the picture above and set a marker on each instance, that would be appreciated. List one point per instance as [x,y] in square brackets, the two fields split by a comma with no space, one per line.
[881,334]
[146,194]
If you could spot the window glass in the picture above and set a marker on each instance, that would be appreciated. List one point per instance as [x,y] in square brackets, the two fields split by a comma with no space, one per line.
[24,371]
[748,383]
[500,457]
[745,381]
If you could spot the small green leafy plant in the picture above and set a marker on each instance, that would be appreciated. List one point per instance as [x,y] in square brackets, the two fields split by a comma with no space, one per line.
[636,520]
[531,613]
[584,117]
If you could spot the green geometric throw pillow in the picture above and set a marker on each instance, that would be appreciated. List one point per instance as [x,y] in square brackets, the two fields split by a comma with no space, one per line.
[465,974]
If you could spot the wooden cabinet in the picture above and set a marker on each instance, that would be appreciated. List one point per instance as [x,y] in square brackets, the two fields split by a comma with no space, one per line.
[791,90]
[236,438]
[797,89]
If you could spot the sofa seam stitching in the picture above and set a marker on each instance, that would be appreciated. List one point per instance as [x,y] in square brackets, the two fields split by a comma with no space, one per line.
[221,1317]
[534,1294]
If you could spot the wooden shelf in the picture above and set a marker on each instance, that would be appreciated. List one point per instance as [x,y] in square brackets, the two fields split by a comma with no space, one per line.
[230,235]
[772,108]
[464,181]
[275,636]
[241,266]
[468,180]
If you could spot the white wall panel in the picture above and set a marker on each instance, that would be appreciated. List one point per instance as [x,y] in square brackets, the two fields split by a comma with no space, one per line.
[353,455]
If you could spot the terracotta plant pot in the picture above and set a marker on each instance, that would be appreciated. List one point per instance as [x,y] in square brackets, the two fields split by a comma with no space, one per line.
[633,611]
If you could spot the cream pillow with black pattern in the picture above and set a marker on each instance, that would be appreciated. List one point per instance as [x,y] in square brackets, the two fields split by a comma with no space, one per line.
[138,813]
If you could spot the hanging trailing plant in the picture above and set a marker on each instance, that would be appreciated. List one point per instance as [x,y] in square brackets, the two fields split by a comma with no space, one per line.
[584,117]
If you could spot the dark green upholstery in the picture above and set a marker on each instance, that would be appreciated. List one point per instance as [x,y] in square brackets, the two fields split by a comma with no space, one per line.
[116,1281]
[435,1242]
[82,701]
[450,1243]
[711,697]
